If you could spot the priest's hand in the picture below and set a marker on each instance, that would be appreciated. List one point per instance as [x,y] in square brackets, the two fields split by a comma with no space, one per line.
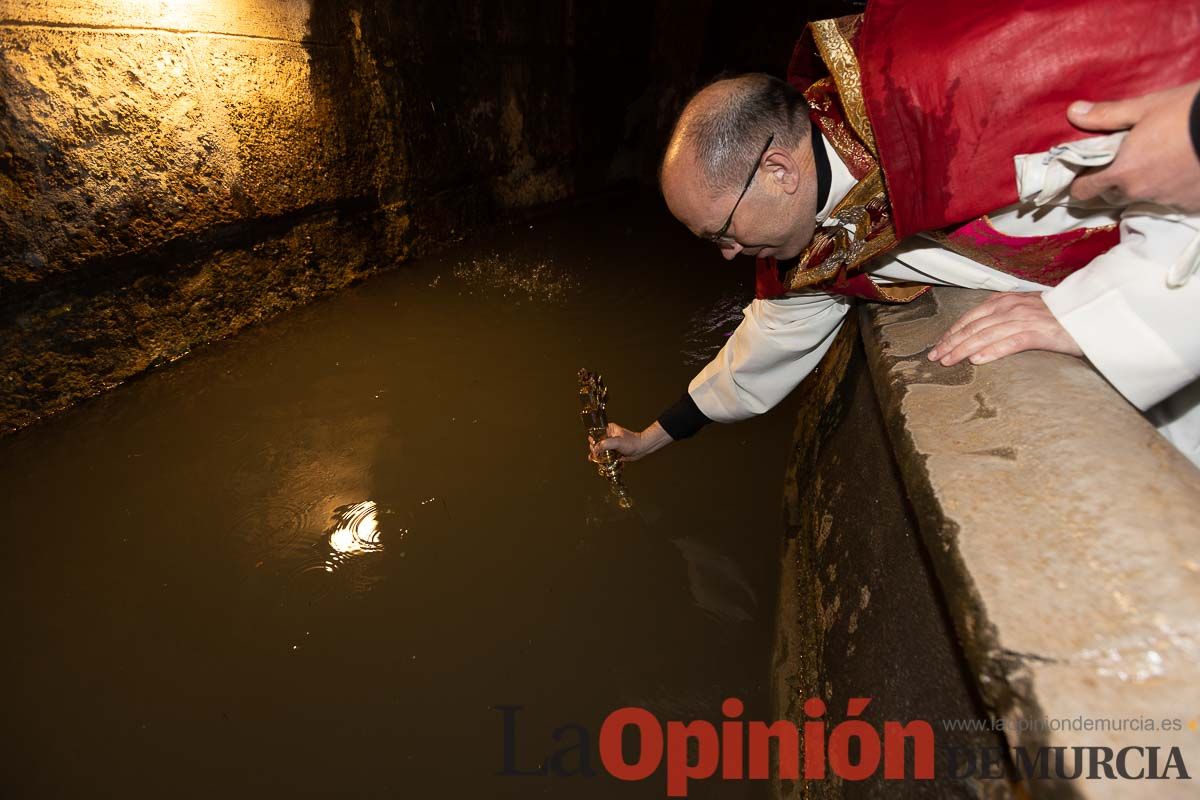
[1000,326]
[1158,160]
[629,444]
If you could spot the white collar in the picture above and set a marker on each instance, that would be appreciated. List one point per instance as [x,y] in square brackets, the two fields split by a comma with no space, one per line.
[840,184]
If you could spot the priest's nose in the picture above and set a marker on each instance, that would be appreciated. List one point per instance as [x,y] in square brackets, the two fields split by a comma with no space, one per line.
[730,250]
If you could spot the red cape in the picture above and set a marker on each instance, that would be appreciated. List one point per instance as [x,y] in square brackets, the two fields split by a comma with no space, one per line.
[954,90]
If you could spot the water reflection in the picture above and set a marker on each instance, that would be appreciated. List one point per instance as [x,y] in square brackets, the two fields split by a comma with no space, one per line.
[718,586]
[355,532]
[539,280]
[711,326]
[317,530]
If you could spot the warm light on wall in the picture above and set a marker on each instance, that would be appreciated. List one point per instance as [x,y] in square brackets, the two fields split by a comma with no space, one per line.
[174,13]
[285,20]
[178,14]
[168,102]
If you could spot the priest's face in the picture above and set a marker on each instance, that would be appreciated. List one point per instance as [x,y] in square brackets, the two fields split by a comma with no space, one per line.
[774,217]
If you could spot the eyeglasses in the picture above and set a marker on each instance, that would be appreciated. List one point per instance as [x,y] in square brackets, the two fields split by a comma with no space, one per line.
[719,236]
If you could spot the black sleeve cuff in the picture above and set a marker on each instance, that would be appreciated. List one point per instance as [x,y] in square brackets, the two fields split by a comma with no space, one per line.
[1194,124]
[683,419]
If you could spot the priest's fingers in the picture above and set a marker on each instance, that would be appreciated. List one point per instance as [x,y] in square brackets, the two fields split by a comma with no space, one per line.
[953,338]
[596,455]
[1114,115]
[1002,301]
[1027,311]
[996,304]
[997,309]
[1046,335]
[621,440]
[1022,330]
[1031,326]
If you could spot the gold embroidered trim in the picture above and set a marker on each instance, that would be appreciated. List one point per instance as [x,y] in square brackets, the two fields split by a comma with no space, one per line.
[822,98]
[849,249]
[900,292]
[839,56]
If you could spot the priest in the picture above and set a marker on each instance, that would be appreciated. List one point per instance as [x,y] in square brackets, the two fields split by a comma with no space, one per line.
[926,144]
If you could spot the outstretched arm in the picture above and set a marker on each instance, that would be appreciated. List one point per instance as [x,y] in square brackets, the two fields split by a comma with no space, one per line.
[775,346]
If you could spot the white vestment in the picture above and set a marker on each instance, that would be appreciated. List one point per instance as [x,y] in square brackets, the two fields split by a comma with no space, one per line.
[1140,332]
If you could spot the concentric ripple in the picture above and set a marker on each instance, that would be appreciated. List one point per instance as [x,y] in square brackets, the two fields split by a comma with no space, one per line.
[355,531]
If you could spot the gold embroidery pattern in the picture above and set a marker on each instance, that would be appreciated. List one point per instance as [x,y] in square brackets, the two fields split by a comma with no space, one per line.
[822,98]
[901,292]
[860,227]
[861,230]
[839,56]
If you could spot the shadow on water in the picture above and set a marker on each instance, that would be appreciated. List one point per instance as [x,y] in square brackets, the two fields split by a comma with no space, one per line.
[312,559]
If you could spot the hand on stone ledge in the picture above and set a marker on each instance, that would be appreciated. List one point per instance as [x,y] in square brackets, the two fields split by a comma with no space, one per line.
[1000,326]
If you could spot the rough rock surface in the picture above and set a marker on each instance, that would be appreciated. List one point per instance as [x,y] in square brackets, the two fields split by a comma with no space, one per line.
[170,171]
[1063,532]
[860,612]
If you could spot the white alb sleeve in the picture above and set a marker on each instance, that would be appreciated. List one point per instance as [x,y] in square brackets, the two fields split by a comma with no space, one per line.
[777,344]
[1142,334]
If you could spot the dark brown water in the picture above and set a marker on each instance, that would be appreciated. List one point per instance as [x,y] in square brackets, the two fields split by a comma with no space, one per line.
[311,560]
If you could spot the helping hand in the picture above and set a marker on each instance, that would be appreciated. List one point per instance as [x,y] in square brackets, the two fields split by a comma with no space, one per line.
[1000,326]
[1156,162]
[629,444]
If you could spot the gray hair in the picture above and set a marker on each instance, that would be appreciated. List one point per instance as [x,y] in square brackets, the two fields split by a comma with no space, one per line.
[727,136]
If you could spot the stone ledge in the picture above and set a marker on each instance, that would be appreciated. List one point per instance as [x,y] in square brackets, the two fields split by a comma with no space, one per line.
[1063,531]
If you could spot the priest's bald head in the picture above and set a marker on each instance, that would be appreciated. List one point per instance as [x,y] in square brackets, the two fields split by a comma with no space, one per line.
[719,142]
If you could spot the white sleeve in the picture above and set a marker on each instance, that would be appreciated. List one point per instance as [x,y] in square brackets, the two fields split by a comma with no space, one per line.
[773,348]
[1142,335]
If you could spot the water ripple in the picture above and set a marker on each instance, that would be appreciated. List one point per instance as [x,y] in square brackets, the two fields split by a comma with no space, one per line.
[355,531]
[274,528]
[710,327]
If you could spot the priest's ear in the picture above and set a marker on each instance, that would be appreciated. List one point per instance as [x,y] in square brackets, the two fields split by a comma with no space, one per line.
[785,171]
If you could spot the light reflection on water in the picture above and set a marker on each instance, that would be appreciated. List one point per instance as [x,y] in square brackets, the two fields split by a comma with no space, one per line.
[497,275]
[355,532]
[333,560]
[709,327]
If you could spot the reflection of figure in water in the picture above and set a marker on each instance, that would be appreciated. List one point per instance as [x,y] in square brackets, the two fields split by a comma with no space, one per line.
[717,584]
[882,188]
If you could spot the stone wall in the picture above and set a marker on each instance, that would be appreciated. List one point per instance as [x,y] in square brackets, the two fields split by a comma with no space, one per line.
[860,610]
[173,171]
[1010,541]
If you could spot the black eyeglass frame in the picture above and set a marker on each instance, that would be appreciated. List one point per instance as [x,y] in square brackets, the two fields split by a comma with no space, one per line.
[719,236]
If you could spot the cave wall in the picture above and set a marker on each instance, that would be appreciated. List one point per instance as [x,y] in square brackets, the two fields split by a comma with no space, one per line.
[172,171]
